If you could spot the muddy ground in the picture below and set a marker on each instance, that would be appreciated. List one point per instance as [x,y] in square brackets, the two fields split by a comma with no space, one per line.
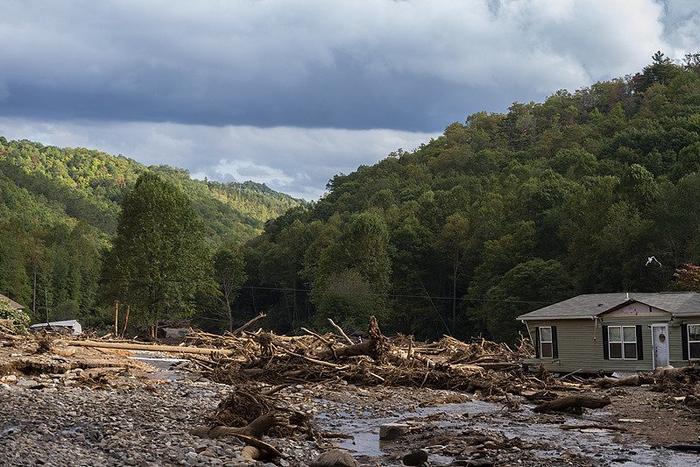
[143,416]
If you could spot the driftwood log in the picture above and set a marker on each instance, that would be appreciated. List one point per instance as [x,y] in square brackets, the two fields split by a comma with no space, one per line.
[249,434]
[573,403]
[607,382]
[374,347]
[150,347]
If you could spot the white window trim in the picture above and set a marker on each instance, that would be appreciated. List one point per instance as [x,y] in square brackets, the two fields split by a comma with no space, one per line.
[550,341]
[687,330]
[622,343]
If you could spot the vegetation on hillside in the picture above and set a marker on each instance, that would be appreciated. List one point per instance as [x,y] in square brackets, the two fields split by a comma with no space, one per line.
[59,210]
[501,214]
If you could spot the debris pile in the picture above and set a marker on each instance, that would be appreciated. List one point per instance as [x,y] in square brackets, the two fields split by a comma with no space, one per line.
[489,367]
[684,380]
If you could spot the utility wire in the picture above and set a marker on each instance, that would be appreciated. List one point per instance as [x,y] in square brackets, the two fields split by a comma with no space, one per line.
[292,289]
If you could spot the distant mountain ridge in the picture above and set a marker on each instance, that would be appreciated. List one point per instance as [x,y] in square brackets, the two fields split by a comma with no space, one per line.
[78,184]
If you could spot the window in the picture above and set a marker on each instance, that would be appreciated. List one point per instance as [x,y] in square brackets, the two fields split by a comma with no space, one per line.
[622,342]
[546,343]
[694,341]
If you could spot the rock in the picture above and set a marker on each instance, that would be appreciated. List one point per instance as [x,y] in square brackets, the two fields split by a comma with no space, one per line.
[9,378]
[28,383]
[418,457]
[335,458]
[391,431]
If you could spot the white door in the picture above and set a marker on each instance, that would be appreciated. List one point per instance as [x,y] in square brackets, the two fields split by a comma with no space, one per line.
[659,333]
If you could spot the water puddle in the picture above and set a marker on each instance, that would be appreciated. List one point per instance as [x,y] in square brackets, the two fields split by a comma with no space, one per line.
[364,427]
[164,365]
[600,446]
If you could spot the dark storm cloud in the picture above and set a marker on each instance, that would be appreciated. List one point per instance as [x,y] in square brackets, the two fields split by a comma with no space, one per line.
[292,92]
[414,65]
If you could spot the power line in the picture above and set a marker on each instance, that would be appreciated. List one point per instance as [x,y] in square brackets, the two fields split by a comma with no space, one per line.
[425,297]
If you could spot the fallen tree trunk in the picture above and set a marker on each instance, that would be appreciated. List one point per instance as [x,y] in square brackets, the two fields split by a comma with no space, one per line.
[364,348]
[151,347]
[250,433]
[575,403]
[607,382]
[375,347]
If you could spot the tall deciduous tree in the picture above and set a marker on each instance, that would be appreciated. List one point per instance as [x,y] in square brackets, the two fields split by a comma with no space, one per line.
[159,259]
[230,275]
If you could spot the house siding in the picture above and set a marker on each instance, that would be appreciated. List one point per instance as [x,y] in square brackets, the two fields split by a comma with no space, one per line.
[580,342]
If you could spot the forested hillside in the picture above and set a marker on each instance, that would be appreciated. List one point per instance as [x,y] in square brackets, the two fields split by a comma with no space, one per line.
[59,210]
[500,215]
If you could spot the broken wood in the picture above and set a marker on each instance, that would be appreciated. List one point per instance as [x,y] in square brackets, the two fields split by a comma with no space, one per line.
[575,402]
[607,382]
[592,425]
[126,320]
[116,318]
[151,347]
[375,347]
[312,360]
[341,332]
[250,433]
[224,431]
[248,324]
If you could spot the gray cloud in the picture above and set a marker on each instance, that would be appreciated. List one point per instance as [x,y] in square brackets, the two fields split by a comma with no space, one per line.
[298,161]
[292,92]
[414,65]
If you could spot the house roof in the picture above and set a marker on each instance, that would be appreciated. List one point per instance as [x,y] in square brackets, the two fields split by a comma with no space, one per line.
[13,304]
[591,305]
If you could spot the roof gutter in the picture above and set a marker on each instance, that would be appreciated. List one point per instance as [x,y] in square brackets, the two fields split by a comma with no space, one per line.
[545,318]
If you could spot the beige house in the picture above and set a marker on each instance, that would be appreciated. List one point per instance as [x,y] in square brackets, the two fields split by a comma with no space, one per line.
[616,332]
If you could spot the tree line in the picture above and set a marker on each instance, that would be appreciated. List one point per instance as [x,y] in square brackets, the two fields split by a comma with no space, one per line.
[502,214]
[59,214]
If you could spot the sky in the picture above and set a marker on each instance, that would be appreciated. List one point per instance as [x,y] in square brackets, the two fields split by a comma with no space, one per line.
[289,92]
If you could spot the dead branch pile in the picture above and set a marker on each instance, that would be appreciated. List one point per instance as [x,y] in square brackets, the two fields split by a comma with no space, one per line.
[485,366]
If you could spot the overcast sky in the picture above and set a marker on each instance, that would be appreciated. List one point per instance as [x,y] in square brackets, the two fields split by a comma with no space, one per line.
[292,92]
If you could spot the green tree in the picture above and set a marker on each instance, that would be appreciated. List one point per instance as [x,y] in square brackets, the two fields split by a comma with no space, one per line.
[230,275]
[361,246]
[159,259]
[527,286]
[348,298]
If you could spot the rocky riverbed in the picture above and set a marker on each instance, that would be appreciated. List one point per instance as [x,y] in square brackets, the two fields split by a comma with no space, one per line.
[140,408]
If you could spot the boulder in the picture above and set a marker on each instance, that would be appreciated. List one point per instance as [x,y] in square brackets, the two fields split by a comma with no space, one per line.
[415,458]
[391,431]
[335,458]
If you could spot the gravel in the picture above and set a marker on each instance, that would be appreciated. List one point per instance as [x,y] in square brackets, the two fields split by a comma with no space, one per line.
[48,420]
[142,425]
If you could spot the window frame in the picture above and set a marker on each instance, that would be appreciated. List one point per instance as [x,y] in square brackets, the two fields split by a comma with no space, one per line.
[622,343]
[550,341]
[690,357]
